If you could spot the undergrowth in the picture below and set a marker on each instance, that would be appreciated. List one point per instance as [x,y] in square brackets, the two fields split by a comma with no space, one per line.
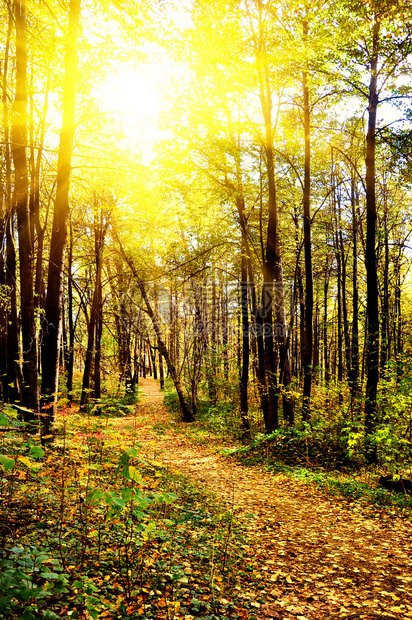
[91,528]
[300,453]
[327,453]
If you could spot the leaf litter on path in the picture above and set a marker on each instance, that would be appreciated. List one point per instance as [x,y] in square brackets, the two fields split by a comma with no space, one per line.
[309,555]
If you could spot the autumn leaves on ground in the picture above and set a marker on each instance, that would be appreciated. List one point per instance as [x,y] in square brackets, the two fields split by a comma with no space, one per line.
[139,516]
[307,555]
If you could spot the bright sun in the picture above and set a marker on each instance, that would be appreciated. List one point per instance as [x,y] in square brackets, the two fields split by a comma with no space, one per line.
[134,95]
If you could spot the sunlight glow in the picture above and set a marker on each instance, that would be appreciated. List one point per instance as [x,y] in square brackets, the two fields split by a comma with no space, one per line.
[134,96]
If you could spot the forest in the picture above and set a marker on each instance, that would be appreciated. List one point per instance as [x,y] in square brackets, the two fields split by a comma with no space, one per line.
[212,198]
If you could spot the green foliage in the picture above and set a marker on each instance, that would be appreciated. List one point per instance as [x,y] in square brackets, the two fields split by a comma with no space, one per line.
[304,445]
[114,406]
[99,530]
[28,577]
[6,462]
[171,401]
[362,488]
[222,419]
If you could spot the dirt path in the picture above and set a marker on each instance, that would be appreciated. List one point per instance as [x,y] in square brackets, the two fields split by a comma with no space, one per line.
[317,556]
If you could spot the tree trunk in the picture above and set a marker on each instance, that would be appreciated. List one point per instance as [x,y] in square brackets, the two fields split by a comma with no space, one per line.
[225,335]
[339,324]
[302,319]
[308,334]
[30,393]
[98,342]
[372,296]
[212,352]
[385,297]
[95,323]
[325,327]
[152,352]
[51,333]
[244,375]
[161,371]
[14,377]
[316,342]
[354,374]
[11,371]
[397,328]
[70,365]
[346,335]
[272,261]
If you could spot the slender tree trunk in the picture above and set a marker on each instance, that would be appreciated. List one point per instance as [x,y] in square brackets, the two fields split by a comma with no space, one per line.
[70,365]
[354,375]
[11,375]
[244,376]
[30,393]
[51,332]
[89,355]
[161,370]
[339,323]
[316,343]
[302,319]
[213,344]
[372,295]
[397,336]
[325,327]
[308,334]
[385,297]
[272,263]
[225,336]
[39,288]
[346,335]
[98,341]
[135,377]
[152,352]
[14,377]
[95,323]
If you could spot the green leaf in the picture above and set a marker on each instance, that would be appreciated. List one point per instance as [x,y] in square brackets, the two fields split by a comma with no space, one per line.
[50,575]
[4,420]
[27,616]
[36,452]
[112,499]
[6,463]
[94,496]
[48,614]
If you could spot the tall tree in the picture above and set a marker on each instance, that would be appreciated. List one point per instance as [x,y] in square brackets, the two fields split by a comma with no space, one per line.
[11,376]
[372,298]
[308,344]
[52,320]
[21,200]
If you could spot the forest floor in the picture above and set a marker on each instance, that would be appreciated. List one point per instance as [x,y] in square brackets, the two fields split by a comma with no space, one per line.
[310,555]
